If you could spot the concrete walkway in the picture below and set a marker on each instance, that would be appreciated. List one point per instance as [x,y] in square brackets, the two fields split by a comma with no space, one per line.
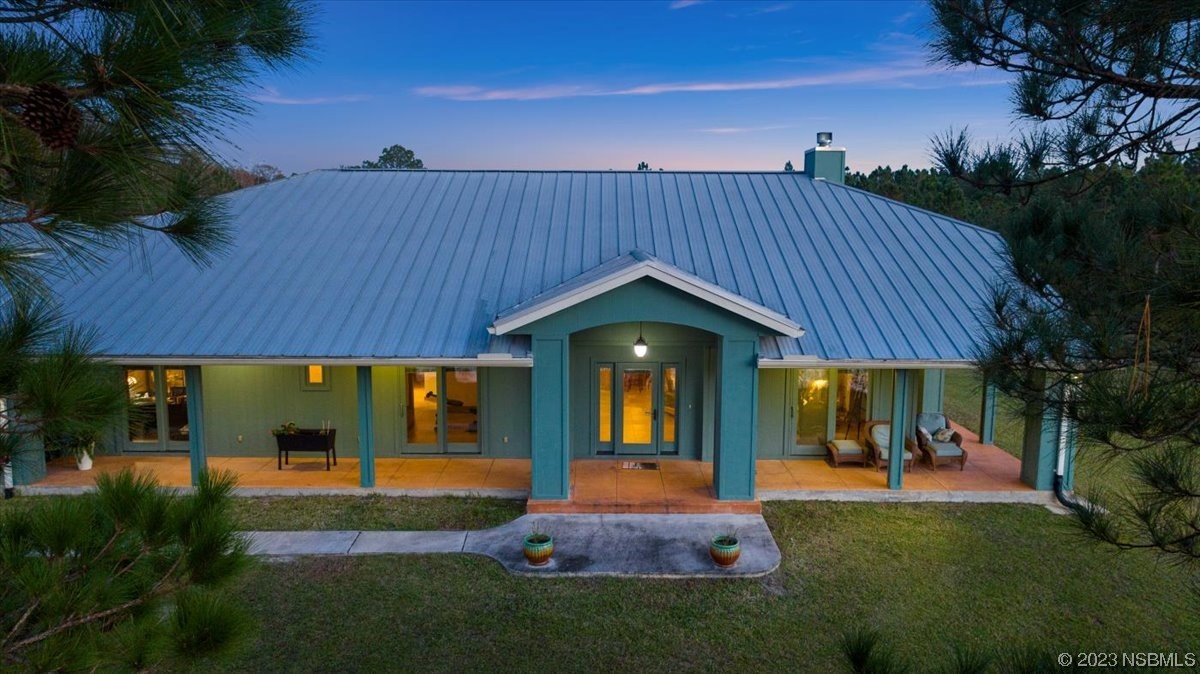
[658,546]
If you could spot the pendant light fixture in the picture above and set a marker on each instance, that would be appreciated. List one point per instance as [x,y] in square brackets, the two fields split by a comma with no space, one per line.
[639,347]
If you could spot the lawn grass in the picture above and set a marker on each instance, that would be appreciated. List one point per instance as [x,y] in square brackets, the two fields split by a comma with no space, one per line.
[372,512]
[926,576]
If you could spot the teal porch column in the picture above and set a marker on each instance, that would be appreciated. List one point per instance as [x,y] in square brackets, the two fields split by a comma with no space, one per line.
[197,452]
[736,408]
[987,415]
[366,428]
[1069,443]
[899,417]
[1039,450]
[550,453]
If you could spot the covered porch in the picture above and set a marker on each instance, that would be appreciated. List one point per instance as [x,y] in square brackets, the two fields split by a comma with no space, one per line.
[506,478]
[598,485]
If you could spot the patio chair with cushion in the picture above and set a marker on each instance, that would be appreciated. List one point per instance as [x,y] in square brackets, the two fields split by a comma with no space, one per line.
[879,434]
[938,442]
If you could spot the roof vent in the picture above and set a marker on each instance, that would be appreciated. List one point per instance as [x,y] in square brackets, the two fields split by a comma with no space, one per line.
[824,138]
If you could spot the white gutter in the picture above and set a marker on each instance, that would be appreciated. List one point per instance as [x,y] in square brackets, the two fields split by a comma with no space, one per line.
[483,360]
[911,364]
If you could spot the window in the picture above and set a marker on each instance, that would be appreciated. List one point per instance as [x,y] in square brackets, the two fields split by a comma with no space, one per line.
[812,408]
[853,389]
[316,378]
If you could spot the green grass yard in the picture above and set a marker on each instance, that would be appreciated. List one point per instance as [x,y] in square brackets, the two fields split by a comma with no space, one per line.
[927,576]
[403,513]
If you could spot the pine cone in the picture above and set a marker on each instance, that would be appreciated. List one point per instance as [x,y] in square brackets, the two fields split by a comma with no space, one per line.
[48,113]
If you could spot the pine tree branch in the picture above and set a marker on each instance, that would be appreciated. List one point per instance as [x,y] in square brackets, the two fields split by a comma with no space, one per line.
[21,623]
[160,588]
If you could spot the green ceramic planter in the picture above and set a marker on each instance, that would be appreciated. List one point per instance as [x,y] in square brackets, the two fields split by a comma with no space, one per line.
[538,548]
[724,550]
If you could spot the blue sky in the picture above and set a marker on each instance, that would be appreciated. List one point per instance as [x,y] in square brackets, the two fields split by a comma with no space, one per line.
[679,84]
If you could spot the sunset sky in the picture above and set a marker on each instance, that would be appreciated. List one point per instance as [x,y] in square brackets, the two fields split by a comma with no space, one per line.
[558,85]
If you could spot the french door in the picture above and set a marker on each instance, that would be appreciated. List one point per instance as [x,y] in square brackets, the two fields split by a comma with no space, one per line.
[158,416]
[637,407]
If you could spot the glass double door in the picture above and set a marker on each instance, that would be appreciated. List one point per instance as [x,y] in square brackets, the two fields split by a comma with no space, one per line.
[158,415]
[637,408]
[441,411]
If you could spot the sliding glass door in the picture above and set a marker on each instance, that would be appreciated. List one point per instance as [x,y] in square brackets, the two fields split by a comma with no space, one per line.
[441,410]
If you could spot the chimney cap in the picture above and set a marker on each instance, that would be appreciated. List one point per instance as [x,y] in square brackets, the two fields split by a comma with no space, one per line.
[824,138]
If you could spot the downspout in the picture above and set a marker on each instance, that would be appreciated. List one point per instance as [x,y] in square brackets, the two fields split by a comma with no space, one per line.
[1067,500]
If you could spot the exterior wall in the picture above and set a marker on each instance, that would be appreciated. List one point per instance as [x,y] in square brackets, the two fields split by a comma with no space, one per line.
[773,433]
[250,400]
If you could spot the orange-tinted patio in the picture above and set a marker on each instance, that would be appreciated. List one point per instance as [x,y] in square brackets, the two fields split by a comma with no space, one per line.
[596,485]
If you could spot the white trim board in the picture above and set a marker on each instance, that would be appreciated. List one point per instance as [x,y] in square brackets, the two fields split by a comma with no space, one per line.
[654,269]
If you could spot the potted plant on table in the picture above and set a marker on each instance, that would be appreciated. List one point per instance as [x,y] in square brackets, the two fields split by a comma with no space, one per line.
[538,547]
[725,549]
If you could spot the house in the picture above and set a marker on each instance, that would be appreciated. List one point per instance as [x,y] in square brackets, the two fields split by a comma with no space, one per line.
[554,316]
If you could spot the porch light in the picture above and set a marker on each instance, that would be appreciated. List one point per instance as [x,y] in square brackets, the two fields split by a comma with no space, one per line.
[640,347]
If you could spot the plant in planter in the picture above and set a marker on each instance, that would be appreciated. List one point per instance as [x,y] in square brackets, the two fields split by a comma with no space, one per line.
[725,548]
[290,428]
[291,438]
[538,547]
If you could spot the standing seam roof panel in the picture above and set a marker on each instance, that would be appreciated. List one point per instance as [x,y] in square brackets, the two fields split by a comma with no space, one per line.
[406,264]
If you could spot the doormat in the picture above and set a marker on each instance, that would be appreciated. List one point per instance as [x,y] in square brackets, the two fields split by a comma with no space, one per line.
[639,465]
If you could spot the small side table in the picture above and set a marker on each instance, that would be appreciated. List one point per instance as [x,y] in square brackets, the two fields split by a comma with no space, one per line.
[846,451]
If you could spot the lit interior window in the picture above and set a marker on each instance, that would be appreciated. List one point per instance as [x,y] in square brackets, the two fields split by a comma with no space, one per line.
[314,375]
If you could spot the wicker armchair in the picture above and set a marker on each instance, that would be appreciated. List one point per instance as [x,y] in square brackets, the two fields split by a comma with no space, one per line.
[879,434]
[935,451]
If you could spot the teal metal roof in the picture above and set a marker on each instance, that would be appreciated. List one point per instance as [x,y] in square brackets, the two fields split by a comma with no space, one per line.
[354,264]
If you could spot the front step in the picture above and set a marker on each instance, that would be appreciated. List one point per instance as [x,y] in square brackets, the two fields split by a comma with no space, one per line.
[575,506]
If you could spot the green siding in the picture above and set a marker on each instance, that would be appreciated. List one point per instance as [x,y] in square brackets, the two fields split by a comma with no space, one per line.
[385,410]
[881,394]
[772,413]
[250,400]
[505,413]
[933,390]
